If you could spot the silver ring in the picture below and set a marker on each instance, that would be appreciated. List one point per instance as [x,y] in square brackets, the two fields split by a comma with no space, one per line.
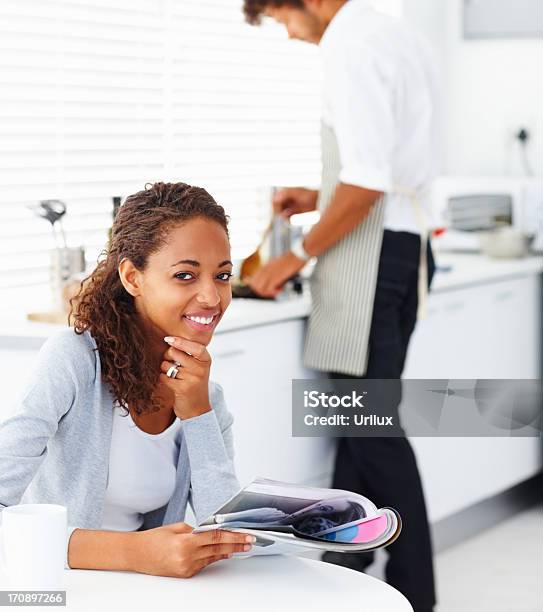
[172,371]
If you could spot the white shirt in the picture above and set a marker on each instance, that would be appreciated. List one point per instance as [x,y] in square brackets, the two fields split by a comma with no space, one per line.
[381,98]
[142,471]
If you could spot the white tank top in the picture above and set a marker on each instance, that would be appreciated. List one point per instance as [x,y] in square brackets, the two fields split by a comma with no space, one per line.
[142,472]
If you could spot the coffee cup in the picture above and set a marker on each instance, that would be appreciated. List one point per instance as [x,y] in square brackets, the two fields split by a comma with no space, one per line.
[33,546]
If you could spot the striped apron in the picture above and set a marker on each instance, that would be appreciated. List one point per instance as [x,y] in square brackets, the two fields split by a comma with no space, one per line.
[343,282]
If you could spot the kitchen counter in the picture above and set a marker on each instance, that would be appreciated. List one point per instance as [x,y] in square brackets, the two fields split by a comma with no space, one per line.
[455,270]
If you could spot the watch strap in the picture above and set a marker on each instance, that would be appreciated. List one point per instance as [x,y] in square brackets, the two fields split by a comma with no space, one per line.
[297,247]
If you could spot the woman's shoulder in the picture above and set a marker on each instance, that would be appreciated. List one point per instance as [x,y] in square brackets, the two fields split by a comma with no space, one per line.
[66,348]
[69,340]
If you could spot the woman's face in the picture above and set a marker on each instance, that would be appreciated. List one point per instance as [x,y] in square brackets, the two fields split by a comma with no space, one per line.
[185,287]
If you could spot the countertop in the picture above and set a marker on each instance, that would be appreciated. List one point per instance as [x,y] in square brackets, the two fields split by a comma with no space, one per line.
[454,271]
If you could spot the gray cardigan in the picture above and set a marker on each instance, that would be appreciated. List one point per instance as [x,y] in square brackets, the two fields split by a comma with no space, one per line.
[55,446]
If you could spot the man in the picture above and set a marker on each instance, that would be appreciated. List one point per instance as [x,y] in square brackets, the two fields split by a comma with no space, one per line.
[373,260]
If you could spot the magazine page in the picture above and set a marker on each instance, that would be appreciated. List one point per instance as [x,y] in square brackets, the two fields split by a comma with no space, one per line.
[284,489]
[273,542]
[304,511]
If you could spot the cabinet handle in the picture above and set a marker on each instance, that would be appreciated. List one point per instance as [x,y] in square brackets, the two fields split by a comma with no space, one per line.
[232,353]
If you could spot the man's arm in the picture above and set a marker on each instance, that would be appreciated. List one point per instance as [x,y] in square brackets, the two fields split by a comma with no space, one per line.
[349,207]
[361,105]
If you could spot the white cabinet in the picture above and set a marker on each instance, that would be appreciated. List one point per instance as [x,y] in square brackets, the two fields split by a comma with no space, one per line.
[488,331]
[255,367]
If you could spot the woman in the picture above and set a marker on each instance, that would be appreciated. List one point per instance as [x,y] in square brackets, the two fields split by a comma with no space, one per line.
[120,416]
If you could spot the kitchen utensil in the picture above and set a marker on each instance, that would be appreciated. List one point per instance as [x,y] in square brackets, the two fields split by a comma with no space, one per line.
[254,261]
[52,211]
[66,263]
[281,236]
[505,242]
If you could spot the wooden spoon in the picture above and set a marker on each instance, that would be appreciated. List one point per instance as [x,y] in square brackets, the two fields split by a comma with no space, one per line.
[254,261]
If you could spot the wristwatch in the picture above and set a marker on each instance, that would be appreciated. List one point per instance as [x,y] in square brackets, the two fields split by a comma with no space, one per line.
[297,247]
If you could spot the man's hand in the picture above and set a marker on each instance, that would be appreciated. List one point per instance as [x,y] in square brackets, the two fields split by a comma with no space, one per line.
[190,386]
[269,279]
[294,200]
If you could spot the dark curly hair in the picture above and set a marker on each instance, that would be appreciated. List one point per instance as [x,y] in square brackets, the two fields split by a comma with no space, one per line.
[253,9]
[104,307]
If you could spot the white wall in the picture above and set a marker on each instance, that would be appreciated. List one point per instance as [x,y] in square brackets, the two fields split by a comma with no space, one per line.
[495,87]
[492,87]
[429,16]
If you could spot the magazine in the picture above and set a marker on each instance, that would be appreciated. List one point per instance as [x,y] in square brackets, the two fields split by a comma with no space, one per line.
[290,519]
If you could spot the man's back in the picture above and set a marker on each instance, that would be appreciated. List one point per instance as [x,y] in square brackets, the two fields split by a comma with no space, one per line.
[380,76]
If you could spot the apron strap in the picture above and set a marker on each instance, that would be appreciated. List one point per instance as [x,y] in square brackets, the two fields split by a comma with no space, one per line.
[422,289]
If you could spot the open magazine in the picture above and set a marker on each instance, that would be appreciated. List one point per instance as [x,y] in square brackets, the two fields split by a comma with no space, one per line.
[288,518]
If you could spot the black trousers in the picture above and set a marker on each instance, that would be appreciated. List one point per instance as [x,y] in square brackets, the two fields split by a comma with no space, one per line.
[385,469]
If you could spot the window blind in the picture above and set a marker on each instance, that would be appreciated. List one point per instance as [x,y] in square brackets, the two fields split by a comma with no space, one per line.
[99,97]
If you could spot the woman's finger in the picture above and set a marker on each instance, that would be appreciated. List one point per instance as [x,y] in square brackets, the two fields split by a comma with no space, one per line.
[176,356]
[210,560]
[226,548]
[165,368]
[223,536]
[194,349]
[204,552]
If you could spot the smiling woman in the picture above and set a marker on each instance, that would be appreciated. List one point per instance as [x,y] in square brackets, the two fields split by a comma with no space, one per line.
[166,273]
[142,322]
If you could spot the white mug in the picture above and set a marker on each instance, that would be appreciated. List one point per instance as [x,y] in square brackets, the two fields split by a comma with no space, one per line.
[33,546]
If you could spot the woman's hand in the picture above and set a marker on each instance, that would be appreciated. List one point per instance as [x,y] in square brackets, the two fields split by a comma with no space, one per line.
[190,386]
[173,550]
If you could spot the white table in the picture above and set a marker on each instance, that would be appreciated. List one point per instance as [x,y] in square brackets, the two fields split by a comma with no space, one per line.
[259,583]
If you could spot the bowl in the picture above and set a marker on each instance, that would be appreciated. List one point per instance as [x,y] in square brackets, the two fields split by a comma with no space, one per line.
[505,243]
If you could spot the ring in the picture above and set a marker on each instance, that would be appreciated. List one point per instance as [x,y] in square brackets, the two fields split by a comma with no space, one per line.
[172,372]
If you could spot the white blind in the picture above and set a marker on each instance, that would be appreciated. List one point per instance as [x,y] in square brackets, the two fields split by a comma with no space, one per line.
[99,97]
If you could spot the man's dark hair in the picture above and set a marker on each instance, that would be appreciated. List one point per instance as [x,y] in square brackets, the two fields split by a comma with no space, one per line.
[253,9]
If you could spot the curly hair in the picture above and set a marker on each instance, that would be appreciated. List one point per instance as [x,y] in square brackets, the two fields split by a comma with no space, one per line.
[253,9]
[104,307]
